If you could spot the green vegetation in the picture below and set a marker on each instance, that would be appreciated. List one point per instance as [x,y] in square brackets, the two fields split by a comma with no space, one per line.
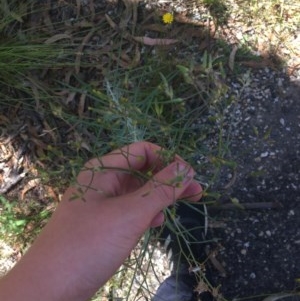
[19,222]
[91,84]
[11,223]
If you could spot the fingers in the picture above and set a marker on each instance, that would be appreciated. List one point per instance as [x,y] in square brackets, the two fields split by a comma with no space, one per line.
[136,156]
[158,220]
[144,156]
[170,184]
[193,192]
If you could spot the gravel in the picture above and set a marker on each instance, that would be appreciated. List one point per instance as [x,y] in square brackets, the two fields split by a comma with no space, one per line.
[260,247]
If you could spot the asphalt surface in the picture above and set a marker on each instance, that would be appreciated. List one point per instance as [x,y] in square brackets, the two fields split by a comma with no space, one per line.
[259,247]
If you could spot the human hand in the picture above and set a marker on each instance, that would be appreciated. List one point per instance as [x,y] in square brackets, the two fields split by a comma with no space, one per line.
[125,171]
[99,221]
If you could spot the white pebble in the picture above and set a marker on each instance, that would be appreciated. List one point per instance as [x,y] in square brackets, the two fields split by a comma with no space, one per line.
[264,155]
[243,251]
[252,275]
[247,244]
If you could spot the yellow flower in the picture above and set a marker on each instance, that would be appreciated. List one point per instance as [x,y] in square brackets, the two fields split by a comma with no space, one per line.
[168,18]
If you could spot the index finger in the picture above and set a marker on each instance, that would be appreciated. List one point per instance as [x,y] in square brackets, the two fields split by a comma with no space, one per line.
[138,156]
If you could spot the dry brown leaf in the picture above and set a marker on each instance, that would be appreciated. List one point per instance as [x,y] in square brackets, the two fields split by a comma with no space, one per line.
[125,61]
[232,57]
[4,120]
[212,257]
[182,18]
[125,34]
[81,105]
[70,97]
[125,57]
[152,42]
[39,143]
[30,185]
[218,266]
[258,64]
[57,37]
[51,193]
[68,75]
[92,9]
[46,17]
[196,32]
[122,63]
[62,92]
[111,23]
[137,57]
[6,152]
[50,131]
[155,27]
[36,96]
[130,13]
[80,49]
[127,14]
[78,4]
[36,85]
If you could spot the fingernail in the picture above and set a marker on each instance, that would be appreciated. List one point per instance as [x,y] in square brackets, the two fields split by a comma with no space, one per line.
[183,172]
[183,168]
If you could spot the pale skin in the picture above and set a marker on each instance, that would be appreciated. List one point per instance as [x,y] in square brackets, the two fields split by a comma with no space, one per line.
[94,229]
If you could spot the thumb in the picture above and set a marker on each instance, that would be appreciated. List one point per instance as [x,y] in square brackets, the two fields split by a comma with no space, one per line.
[165,187]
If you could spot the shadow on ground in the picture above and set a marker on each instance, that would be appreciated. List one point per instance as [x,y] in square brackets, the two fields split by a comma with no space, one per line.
[259,248]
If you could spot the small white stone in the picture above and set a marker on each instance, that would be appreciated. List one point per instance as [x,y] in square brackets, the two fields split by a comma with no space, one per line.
[243,251]
[294,186]
[264,155]
[247,244]
[252,275]
[282,121]
[268,232]
[291,213]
